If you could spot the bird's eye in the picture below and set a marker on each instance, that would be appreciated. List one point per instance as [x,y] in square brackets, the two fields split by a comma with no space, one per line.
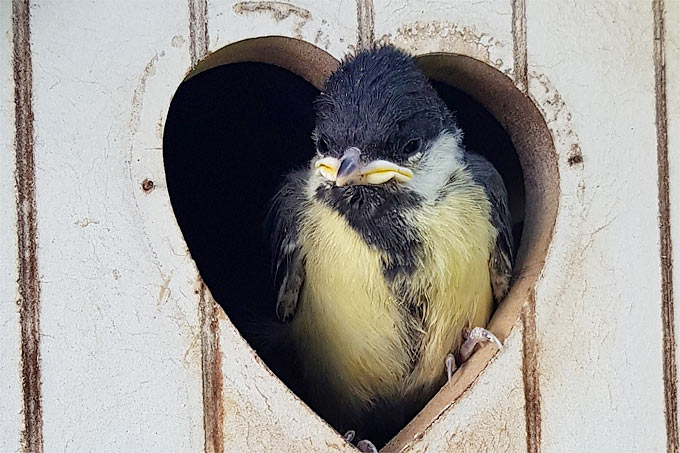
[413,146]
[322,145]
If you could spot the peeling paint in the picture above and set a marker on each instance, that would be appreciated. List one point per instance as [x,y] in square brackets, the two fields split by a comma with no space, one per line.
[85,222]
[279,11]
[556,115]
[439,36]
[322,39]
[164,292]
[138,94]
[177,41]
[575,157]
[160,126]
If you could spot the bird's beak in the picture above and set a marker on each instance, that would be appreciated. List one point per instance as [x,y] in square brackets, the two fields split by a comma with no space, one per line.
[349,170]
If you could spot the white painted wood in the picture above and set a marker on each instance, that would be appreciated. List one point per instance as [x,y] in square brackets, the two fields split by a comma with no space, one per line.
[330,25]
[480,29]
[488,417]
[120,343]
[10,340]
[598,303]
[121,348]
[260,413]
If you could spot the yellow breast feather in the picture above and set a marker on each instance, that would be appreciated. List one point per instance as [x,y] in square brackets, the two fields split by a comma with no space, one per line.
[454,276]
[349,328]
[346,315]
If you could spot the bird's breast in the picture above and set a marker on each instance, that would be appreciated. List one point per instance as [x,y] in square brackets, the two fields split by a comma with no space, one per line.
[348,323]
[356,337]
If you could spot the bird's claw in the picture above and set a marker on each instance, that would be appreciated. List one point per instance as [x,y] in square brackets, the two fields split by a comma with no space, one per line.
[471,339]
[450,365]
[364,446]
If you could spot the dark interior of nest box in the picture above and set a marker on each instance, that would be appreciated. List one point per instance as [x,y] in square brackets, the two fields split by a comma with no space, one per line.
[231,133]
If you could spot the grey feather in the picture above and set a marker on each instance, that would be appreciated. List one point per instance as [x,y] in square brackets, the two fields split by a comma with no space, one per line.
[501,259]
[288,263]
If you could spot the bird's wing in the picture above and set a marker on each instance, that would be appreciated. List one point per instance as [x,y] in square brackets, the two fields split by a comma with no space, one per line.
[501,259]
[287,261]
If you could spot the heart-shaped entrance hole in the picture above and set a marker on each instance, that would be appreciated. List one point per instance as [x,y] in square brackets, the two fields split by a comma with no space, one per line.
[244,119]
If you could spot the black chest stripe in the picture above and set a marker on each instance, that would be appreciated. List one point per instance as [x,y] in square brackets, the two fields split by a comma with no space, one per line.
[377,214]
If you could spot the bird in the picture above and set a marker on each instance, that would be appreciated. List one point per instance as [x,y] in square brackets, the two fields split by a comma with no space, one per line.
[389,250]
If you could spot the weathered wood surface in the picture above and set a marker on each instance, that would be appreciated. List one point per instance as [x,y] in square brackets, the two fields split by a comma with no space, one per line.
[135,356]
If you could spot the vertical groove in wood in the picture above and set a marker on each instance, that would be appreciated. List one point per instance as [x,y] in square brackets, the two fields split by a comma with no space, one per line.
[531,379]
[198,30]
[29,284]
[666,249]
[365,24]
[211,364]
[211,356]
[532,394]
[519,44]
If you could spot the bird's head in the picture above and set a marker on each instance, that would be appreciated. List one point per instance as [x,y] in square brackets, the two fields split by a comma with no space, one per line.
[382,129]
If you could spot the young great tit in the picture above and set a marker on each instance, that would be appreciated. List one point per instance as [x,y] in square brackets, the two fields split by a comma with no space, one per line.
[387,248]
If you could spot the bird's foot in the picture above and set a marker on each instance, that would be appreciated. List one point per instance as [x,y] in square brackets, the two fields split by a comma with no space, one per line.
[451,366]
[364,446]
[471,338]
